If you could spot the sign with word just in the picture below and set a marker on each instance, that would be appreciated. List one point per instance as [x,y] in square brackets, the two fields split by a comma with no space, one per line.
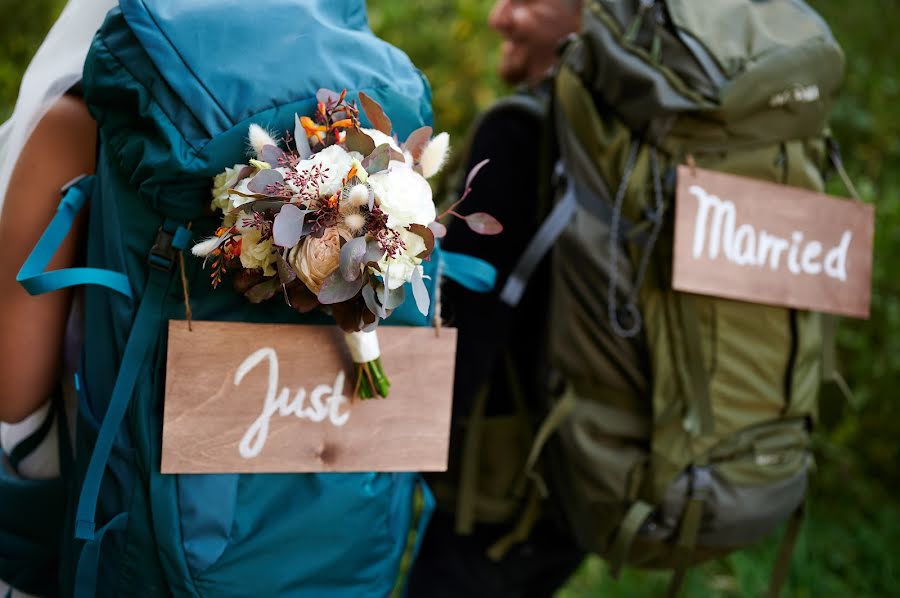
[271,398]
[755,241]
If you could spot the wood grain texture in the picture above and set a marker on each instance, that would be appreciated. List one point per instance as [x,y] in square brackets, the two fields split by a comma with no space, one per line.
[781,211]
[207,415]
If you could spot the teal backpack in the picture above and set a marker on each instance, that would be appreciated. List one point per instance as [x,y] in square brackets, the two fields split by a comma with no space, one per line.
[173,86]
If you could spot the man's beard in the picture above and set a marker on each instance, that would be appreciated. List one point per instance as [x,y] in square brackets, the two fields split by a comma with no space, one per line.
[513,67]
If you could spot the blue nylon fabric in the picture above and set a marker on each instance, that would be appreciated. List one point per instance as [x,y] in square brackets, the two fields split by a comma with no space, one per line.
[309,44]
[32,276]
[470,272]
[209,532]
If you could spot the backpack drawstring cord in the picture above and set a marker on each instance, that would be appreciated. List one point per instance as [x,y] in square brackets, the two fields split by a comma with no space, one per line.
[188,314]
[656,217]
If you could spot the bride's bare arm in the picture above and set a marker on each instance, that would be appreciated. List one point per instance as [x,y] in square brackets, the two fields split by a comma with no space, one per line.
[31,328]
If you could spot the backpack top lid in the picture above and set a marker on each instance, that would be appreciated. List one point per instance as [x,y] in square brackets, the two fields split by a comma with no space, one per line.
[174,84]
[771,66]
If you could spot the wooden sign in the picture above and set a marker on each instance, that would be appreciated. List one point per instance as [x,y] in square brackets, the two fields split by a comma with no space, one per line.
[761,242]
[267,398]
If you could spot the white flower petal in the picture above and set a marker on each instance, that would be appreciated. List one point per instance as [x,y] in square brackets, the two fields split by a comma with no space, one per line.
[404,195]
[335,163]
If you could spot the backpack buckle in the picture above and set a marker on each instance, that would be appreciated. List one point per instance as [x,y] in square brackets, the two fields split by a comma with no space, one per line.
[162,254]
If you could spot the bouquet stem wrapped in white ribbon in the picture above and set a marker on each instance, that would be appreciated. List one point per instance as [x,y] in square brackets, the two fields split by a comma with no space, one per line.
[371,381]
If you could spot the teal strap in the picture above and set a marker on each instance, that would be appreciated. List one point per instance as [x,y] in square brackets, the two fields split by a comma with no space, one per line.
[32,275]
[470,272]
[144,333]
[89,561]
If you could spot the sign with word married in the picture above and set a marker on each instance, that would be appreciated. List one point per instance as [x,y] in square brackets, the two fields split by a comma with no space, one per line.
[268,398]
[761,242]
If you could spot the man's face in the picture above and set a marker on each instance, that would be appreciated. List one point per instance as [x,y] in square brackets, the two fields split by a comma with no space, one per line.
[531,31]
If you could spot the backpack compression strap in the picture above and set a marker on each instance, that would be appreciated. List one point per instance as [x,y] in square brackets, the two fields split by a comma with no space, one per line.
[172,237]
[32,275]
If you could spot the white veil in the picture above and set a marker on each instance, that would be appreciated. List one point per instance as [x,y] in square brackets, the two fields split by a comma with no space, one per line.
[55,68]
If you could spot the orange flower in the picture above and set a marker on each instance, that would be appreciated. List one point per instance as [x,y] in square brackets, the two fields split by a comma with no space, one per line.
[233,247]
[343,124]
[313,130]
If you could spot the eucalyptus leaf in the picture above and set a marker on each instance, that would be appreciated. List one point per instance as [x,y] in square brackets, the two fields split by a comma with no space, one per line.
[287,230]
[417,142]
[439,230]
[396,298]
[474,172]
[286,274]
[273,155]
[378,160]
[244,173]
[374,253]
[396,156]
[420,292]
[261,205]
[327,96]
[300,139]
[357,141]
[484,224]
[301,298]
[336,290]
[352,254]
[244,280]
[368,295]
[263,179]
[347,314]
[375,113]
[264,290]
[427,236]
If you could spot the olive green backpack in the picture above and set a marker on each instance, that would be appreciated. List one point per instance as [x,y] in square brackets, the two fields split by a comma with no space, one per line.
[678,425]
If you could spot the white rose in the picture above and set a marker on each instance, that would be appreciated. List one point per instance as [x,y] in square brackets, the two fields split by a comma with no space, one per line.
[380,139]
[336,160]
[222,184]
[399,270]
[404,195]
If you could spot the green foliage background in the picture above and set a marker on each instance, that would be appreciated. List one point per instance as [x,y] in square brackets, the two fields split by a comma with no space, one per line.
[848,547]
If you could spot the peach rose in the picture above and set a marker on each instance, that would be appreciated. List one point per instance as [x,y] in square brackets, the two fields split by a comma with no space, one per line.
[316,258]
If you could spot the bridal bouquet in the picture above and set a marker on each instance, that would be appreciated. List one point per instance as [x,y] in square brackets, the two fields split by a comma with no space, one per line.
[338,217]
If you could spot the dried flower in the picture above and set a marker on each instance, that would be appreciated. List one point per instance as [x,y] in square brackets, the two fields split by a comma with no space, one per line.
[259,138]
[435,155]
